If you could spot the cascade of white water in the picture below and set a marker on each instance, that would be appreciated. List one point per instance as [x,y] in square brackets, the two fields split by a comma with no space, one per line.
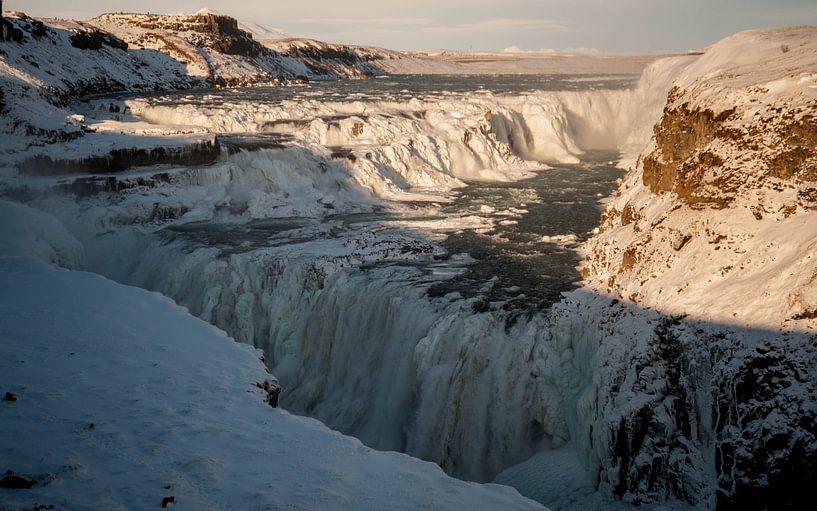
[369,352]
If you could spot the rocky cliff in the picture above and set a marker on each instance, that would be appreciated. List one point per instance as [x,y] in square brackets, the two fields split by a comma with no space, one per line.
[728,187]
[715,228]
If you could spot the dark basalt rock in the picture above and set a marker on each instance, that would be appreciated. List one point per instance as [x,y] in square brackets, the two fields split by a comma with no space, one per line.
[12,481]
[123,159]
[229,39]
[766,427]
[8,32]
[652,443]
[93,39]
[85,187]
[273,389]
[718,405]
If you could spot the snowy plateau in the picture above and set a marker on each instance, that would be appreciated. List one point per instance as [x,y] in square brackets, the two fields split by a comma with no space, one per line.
[589,285]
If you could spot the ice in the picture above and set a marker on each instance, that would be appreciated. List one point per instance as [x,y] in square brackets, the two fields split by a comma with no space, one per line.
[27,232]
[329,330]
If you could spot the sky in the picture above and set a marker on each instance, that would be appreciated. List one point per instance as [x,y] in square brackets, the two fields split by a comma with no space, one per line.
[614,26]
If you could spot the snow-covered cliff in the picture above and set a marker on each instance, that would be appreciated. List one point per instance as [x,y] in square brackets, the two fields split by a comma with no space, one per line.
[715,228]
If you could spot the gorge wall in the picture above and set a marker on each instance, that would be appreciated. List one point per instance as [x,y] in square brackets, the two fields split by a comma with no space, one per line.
[715,228]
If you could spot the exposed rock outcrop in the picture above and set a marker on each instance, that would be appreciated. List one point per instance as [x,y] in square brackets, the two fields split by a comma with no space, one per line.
[196,153]
[93,39]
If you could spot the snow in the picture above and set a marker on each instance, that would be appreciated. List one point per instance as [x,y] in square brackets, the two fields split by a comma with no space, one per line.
[263,33]
[118,412]
[27,232]
[558,477]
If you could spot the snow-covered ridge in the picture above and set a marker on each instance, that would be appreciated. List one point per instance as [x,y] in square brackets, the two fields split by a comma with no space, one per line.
[46,63]
[229,55]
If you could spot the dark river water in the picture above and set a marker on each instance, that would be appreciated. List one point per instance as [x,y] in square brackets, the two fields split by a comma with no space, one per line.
[531,258]
[398,88]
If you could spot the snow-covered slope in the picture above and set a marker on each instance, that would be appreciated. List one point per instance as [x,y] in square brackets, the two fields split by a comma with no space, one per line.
[47,63]
[213,46]
[130,400]
[338,59]
[730,182]
[263,33]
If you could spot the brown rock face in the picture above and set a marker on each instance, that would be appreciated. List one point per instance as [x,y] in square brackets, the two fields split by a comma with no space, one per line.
[688,160]
[212,31]
[680,160]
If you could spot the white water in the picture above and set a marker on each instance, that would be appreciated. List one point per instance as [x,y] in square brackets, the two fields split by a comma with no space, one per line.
[355,339]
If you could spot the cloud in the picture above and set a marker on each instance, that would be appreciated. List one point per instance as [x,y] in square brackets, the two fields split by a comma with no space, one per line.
[517,49]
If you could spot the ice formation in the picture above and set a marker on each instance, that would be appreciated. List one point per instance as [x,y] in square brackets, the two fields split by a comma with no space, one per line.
[367,352]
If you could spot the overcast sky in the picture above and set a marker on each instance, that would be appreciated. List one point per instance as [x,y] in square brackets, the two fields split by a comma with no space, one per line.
[606,25]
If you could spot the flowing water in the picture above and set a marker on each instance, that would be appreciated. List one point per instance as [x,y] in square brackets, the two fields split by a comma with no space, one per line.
[398,298]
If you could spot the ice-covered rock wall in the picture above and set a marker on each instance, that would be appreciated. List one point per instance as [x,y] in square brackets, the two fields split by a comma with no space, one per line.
[369,352]
[118,398]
